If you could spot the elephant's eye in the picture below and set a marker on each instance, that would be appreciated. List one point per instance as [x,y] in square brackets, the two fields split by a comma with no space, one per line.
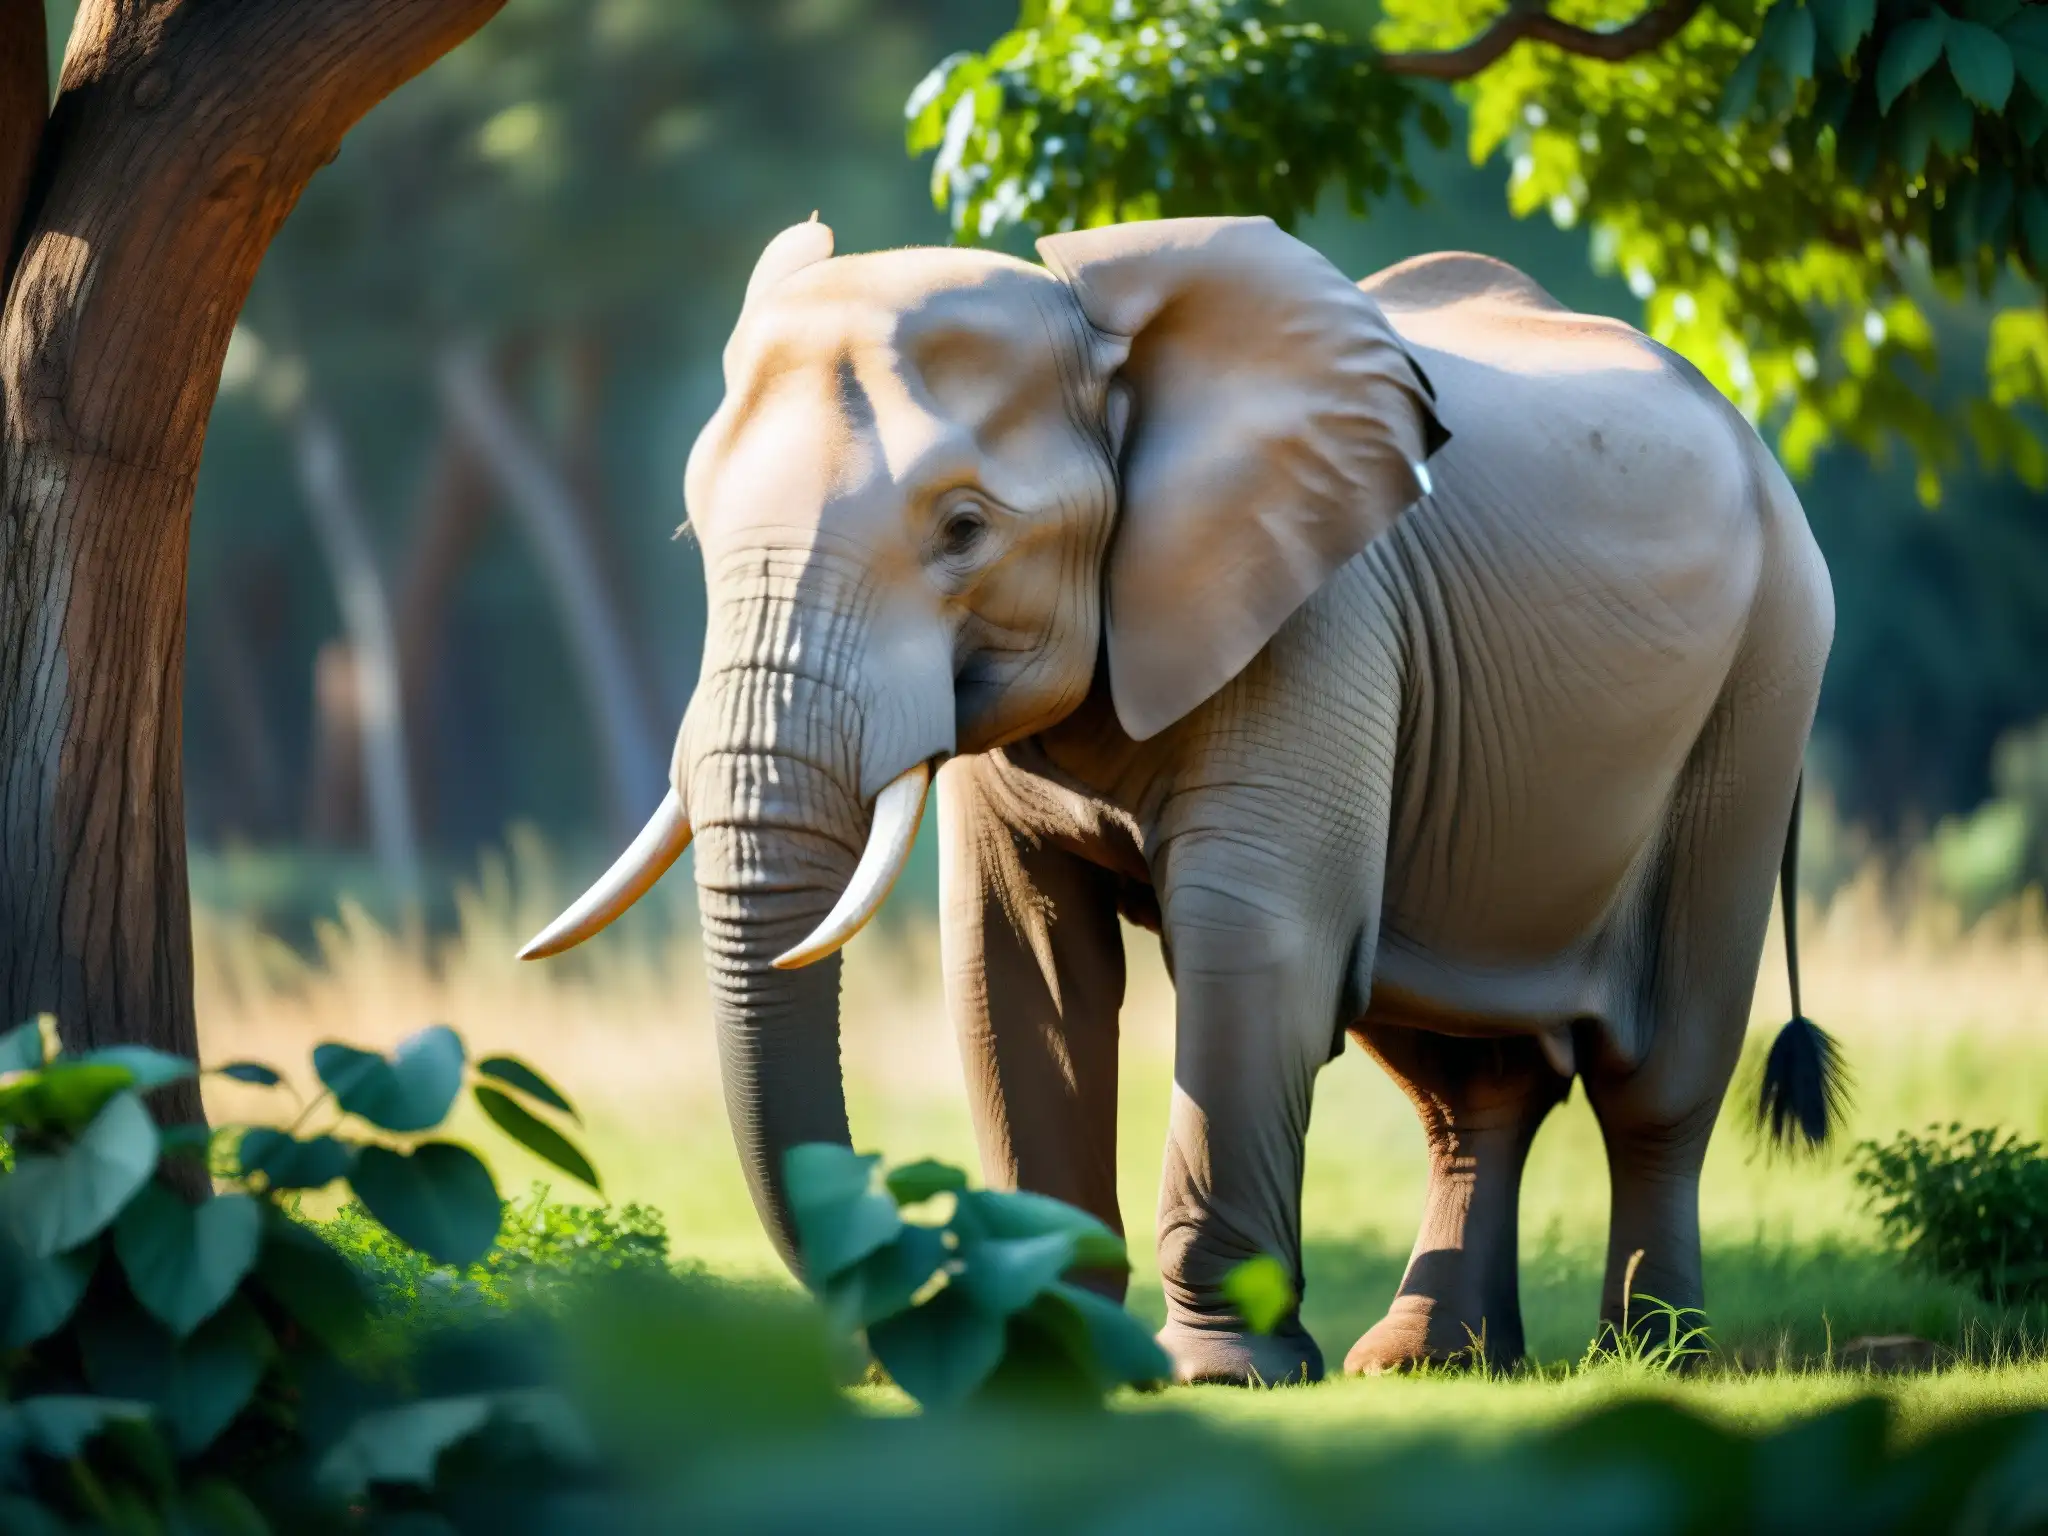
[961,530]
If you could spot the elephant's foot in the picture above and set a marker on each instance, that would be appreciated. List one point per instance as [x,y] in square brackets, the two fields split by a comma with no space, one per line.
[1415,1334]
[1237,1357]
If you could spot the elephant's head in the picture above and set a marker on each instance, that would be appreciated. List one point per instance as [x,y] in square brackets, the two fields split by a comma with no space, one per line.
[942,483]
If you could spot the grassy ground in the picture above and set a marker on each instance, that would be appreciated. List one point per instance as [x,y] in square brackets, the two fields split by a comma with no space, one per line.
[1937,1026]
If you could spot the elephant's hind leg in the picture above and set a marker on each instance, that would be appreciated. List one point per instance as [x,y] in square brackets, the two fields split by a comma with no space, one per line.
[1481,1102]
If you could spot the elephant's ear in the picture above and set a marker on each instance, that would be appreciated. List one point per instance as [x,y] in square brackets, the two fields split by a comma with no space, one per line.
[797,247]
[1277,426]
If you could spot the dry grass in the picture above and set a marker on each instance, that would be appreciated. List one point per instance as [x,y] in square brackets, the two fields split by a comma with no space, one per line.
[1938,1024]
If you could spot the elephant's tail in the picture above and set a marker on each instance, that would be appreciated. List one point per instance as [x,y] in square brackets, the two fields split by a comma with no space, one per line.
[1806,1084]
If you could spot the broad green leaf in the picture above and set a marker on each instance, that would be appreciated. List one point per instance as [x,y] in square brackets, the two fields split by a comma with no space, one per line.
[410,1090]
[61,1426]
[63,1095]
[438,1198]
[250,1072]
[840,1218]
[1003,1275]
[1909,53]
[23,1514]
[150,1067]
[1125,1353]
[1262,1291]
[320,1289]
[988,1213]
[885,1282]
[913,1183]
[184,1261]
[39,1294]
[404,1444]
[2030,63]
[1844,24]
[217,1507]
[940,1352]
[1953,119]
[2028,115]
[401,1445]
[1787,41]
[288,1163]
[1981,63]
[1738,95]
[198,1384]
[21,1048]
[515,1073]
[55,1201]
[535,1134]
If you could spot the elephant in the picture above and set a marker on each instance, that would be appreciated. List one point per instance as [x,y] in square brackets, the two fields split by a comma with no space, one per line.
[1426,664]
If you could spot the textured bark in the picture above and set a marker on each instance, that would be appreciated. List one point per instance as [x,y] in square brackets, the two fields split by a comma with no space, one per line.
[181,137]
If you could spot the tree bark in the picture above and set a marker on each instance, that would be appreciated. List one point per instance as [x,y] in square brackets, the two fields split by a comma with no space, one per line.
[24,103]
[182,134]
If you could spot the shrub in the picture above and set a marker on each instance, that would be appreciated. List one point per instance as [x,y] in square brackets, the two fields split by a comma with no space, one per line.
[1970,1206]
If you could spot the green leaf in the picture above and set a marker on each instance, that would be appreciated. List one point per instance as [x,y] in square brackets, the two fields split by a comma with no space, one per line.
[839,1217]
[886,1281]
[39,1294]
[940,1352]
[62,1426]
[1980,62]
[515,1073]
[2030,63]
[1004,1275]
[1262,1291]
[21,1048]
[55,1201]
[149,1067]
[1954,120]
[913,1183]
[2028,115]
[1908,54]
[536,1135]
[1845,23]
[250,1072]
[438,1198]
[1738,95]
[288,1163]
[63,1095]
[184,1261]
[988,1213]
[320,1289]
[410,1090]
[1124,1350]
[198,1385]
[1787,40]
[404,1445]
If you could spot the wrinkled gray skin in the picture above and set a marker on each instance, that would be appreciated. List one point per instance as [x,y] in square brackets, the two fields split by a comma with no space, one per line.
[1496,780]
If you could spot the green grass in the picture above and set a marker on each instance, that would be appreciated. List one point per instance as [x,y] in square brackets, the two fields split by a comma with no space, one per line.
[1936,1027]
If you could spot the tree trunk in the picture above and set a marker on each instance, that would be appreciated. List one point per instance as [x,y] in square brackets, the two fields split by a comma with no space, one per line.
[540,498]
[182,135]
[373,649]
[454,510]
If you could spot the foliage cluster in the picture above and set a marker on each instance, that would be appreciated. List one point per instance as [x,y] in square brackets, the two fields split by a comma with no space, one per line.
[2001,848]
[976,1305]
[1969,1205]
[1787,186]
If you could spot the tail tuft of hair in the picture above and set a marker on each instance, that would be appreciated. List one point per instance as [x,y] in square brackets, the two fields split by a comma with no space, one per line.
[1805,1088]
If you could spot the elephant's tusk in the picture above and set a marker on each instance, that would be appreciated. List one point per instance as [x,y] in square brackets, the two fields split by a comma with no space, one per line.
[660,843]
[898,810]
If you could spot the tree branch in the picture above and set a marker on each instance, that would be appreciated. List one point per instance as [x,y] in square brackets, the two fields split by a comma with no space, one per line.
[24,107]
[1531,20]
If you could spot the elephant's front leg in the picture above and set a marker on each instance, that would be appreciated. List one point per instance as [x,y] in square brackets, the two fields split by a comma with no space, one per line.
[1034,966]
[1259,956]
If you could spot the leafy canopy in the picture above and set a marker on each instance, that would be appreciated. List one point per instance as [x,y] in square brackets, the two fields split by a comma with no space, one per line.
[1789,186]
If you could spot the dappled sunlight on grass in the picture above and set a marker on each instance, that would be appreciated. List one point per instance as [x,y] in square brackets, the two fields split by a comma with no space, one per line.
[1936,1024]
